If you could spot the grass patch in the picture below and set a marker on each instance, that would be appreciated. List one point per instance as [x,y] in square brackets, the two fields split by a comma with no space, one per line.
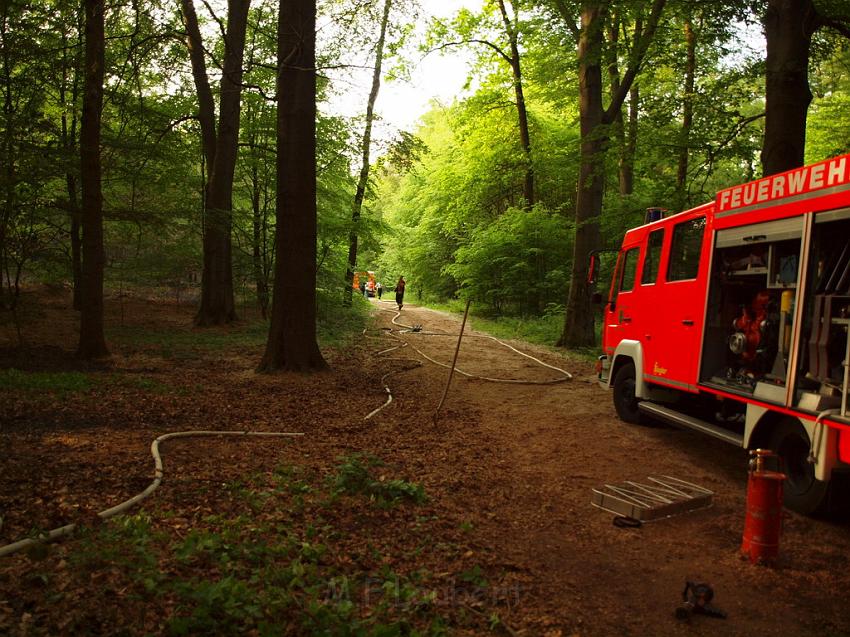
[56,382]
[541,330]
[183,343]
[338,323]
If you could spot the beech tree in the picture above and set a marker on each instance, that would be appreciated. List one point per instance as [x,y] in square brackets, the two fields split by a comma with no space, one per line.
[92,342]
[789,26]
[482,29]
[292,341]
[366,146]
[220,146]
[595,122]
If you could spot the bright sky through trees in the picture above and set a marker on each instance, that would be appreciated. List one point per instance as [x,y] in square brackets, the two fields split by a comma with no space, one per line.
[401,103]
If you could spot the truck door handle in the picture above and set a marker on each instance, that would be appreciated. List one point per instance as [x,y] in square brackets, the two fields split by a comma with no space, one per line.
[687,322]
[626,319]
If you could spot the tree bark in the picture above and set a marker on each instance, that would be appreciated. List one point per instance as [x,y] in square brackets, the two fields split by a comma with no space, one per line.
[92,342]
[595,122]
[363,179]
[206,104]
[687,115]
[619,128]
[522,112]
[9,172]
[579,321]
[69,145]
[220,151]
[292,341]
[788,28]
[76,244]
[258,256]
[627,160]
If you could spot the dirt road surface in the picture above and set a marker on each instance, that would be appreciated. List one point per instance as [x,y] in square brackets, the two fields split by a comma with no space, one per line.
[538,451]
[508,469]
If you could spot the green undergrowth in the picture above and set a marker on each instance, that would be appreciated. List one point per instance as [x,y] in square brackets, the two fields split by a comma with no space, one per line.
[355,477]
[63,383]
[56,382]
[335,327]
[338,323]
[292,551]
[189,342]
[541,330]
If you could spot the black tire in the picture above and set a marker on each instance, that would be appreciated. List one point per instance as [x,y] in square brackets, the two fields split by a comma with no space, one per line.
[625,401]
[802,492]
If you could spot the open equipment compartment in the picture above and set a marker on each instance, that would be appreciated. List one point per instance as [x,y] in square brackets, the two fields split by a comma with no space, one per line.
[749,314]
[821,370]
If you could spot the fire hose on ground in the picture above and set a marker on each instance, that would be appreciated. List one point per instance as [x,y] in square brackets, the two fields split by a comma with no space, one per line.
[158,475]
[62,531]
[411,329]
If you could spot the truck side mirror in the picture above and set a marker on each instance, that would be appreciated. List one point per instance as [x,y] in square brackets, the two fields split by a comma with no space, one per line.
[591,270]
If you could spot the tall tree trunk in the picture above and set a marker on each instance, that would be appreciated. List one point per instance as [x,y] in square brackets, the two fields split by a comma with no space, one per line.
[619,128]
[578,324]
[206,104]
[788,28]
[687,115]
[292,341]
[76,243]
[627,159]
[92,342]
[260,278]
[626,167]
[522,112]
[220,150]
[8,204]
[69,145]
[595,122]
[363,179]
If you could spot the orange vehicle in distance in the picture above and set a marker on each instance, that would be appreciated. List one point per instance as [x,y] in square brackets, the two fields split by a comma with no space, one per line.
[369,277]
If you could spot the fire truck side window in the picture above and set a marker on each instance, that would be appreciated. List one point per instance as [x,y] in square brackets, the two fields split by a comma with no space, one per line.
[685,250]
[630,259]
[652,257]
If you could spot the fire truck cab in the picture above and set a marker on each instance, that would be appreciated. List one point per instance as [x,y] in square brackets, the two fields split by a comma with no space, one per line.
[732,319]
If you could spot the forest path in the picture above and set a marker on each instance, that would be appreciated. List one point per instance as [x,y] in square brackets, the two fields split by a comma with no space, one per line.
[537,451]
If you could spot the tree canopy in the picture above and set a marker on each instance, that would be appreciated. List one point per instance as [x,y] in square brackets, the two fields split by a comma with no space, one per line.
[579,116]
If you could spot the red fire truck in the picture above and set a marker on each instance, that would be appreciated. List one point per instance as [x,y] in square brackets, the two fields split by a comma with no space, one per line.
[732,319]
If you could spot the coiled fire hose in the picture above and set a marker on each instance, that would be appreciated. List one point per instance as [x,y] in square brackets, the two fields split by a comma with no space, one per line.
[158,468]
[410,329]
[158,475]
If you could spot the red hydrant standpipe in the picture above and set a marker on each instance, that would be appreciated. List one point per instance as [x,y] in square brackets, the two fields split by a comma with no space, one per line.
[763,523]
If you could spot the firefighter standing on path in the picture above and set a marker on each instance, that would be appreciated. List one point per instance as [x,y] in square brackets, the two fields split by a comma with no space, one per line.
[399,293]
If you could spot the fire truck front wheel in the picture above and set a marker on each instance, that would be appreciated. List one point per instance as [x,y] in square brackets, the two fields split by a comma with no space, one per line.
[803,492]
[625,401]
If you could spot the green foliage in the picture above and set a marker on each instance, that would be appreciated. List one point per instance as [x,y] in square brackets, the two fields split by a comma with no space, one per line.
[190,343]
[828,115]
[543,330]
[271,573]
[515,262]
[444,210]
[58,382]
[457,208]
[354,477]
[338,323]
[125,542]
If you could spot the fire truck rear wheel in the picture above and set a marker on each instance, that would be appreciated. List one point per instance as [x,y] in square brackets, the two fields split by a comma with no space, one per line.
[802,492]
[625,401]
